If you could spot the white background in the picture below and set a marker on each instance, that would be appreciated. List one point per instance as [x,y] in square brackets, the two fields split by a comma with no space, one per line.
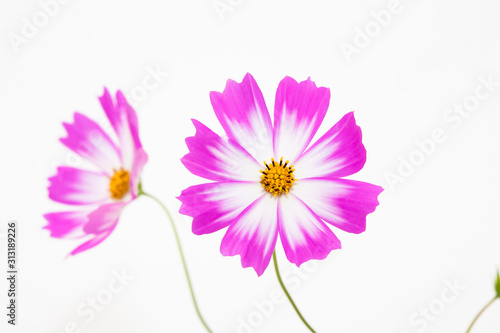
[440,224]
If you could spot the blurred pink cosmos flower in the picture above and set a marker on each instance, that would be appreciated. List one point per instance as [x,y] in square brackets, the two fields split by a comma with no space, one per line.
[294,191]
[98,196]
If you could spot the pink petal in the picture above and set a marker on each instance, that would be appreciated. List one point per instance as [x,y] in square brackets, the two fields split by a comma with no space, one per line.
[104,218]
[303,235]
[298,112]
[101,223]
[343,203]
[140,160]
[87,139]
[78,187]
[124,121]
[133,123]
[338,153]
[213,158]
[96,240]
[66,224]
[253,235]
[110,110]
[214,206]
[243,114]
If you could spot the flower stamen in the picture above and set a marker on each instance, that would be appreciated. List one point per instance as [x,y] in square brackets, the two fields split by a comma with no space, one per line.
[119,184]
[277,179]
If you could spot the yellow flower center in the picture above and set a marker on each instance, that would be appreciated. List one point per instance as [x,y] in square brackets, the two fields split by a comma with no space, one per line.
[277,177]
[119,184]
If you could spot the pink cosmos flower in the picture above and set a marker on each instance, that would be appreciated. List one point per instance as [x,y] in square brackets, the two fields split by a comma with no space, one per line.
[269,181]
[98,196]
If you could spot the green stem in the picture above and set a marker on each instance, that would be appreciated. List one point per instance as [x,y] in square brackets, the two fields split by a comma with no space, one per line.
[182,257]
[480,313]
[288,294]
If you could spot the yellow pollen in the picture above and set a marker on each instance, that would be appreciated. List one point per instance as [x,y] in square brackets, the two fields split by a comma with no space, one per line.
[119,184]
[277,177]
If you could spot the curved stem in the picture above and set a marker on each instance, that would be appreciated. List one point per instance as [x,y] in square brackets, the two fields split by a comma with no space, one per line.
[480,313]
[181,252]
[288,294]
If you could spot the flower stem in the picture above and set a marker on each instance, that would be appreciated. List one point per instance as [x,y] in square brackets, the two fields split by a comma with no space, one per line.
[288,294]
[480,313]
[193,297]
